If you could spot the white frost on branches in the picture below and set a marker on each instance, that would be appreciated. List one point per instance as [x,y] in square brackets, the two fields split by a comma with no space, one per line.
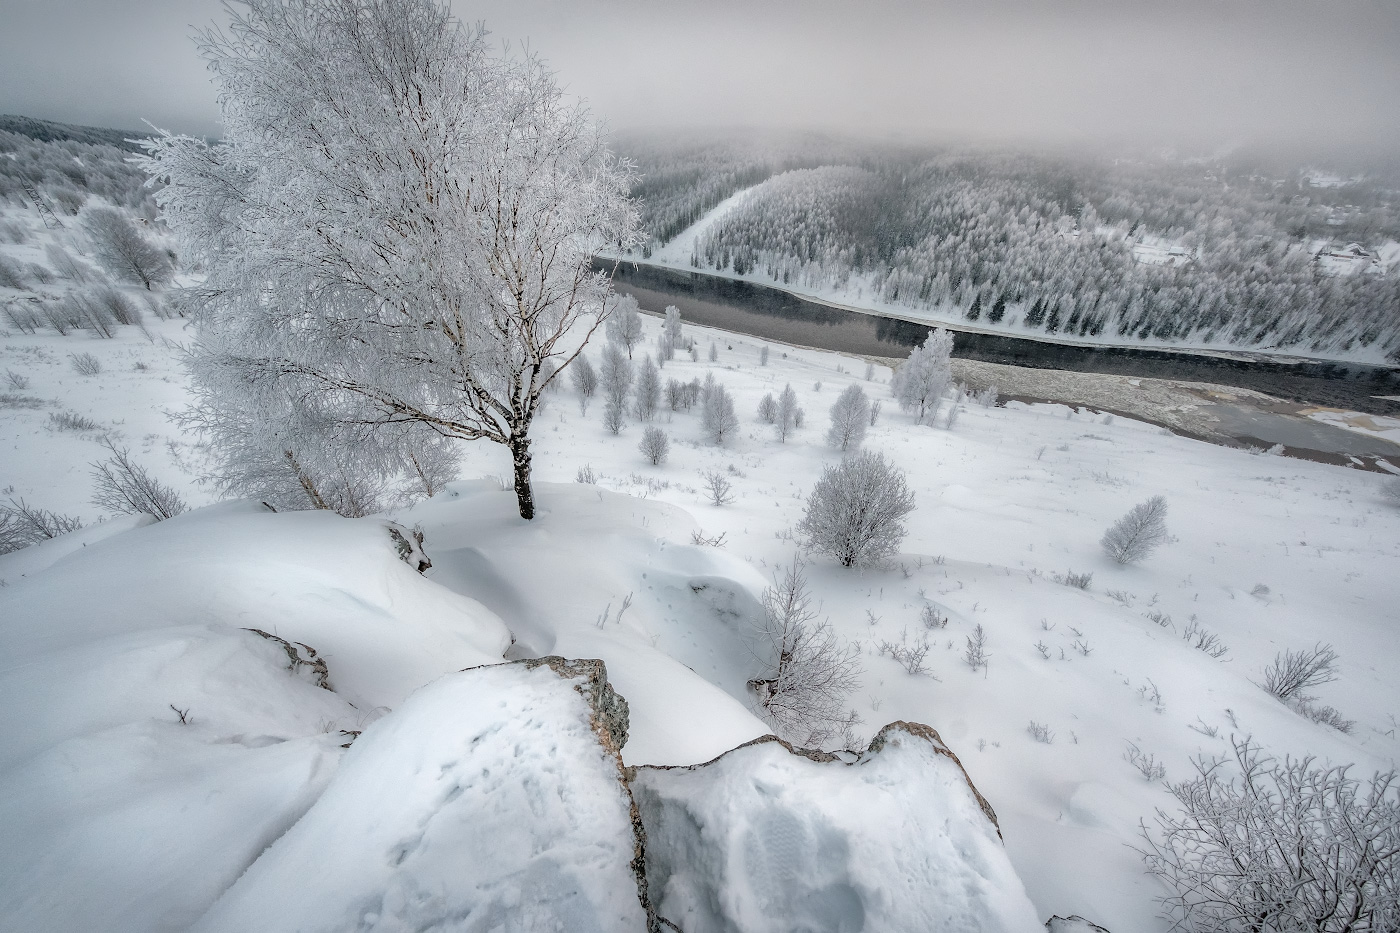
[398,226]
[850,417]
[922,379]
[1139,533]
[808,671]
[856,511]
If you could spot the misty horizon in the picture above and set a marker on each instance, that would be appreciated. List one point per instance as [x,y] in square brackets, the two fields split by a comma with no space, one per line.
[1319,80]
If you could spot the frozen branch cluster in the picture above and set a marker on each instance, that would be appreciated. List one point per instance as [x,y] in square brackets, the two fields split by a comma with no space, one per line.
[856,511]
[1139,533]
[398,226]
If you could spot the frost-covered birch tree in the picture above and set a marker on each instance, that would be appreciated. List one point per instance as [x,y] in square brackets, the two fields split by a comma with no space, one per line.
[398,222]
[920,380]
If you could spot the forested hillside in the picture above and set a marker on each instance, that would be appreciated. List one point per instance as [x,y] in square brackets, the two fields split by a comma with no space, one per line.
[1158,251]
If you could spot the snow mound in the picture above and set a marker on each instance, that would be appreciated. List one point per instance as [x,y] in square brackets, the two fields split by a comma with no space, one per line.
[493,799]
[156,744]
[773,839]
[600,575]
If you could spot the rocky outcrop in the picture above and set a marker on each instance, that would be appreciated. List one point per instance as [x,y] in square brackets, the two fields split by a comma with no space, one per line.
[1072,924]
[494,798]
[769,838]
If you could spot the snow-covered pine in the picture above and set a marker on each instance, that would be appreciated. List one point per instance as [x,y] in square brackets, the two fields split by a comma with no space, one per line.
[856,510]
[388,178]
[850,417]
[921,380]
[1137,533]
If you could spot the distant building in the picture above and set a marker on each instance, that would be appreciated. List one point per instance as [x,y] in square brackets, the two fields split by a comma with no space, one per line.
[1345,260]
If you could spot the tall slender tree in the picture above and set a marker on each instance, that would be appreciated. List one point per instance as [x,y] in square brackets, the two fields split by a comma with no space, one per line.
[398,223]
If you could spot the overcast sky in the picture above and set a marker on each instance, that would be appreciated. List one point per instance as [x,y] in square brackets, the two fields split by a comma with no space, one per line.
[1194,72]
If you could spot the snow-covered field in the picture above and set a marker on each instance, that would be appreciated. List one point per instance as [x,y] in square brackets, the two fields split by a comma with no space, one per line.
[107,629]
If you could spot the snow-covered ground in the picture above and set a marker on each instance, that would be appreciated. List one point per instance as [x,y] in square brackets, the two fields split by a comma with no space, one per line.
[106,630]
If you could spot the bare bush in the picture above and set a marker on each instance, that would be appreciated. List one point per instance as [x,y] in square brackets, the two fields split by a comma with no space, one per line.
[1148,766]
[808,672]
[975,654]
[122,485]
[655,446]
[1040,732]
[1293,673]
[910,655]
[586,475]
[856,511]
[718,487]
[1279,846]
[1138,533]
[71,421]
[16,381]
[22,524]
[1080,581]
[85,364]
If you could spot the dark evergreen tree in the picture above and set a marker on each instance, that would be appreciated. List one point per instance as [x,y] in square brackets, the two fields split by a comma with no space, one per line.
[998,310]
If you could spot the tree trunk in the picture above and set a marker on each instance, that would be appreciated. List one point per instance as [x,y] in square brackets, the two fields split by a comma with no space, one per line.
[520,455]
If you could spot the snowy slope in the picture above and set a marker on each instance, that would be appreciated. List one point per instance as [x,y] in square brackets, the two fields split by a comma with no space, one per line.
[766,840]
[1269,553]
[490,801]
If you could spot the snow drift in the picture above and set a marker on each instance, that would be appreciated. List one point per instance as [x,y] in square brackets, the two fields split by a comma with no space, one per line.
[772,839]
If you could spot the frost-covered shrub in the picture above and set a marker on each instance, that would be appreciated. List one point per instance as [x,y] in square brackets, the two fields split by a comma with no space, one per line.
[71,421]
[646,397]
[789,415]
[625,324]
[123,250]
[122,485]
[1279,846]
[655,446]
[808,671]
[22,524]
[768,409]
[85,364]
[11,276]
[718,487]
[1293,673]
[585,380]
[613,418]
[921,380]
[717,416]
[1139,533]
[856,510]
[850,417]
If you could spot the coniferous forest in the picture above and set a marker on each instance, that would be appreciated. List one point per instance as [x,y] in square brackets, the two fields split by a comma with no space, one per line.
[1221,252]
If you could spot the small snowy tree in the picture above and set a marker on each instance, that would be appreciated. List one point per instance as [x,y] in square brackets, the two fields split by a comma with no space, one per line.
[398,220]
[1392,489]
[768,409]
[856,511]
[850,417]
[585,380]
[1279,846]
[763,356]
[1138,533]
[808,672]
[922,379]
[714,352]
[671,326]
[788,413]
[616,376]
[655,446]
[123,250]
[646,397]
[717,417]
[625,324]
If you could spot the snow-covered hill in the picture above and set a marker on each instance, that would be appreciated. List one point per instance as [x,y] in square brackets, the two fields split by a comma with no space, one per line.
[111,633]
